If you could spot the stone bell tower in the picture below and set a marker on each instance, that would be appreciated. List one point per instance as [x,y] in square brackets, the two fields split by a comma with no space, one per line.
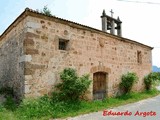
[111,24]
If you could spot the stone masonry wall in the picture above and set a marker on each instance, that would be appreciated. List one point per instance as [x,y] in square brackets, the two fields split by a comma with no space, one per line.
[87,51]
[11,59]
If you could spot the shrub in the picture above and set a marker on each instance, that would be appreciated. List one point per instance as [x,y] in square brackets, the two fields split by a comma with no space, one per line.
[10,103]
[158,76]
[150,79]
[45,11]
[7,91]
[72,86]
[127,81]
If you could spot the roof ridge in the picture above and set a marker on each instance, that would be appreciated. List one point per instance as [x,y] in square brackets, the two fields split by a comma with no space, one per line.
[27,10]
[38,12]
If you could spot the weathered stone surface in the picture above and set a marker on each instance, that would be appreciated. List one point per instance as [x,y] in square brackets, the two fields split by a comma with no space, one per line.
[28,77]
[31,35]
[44,37]
[28,71]
[43,91]
[27,89]
[28,42]
[88,52]
[31,51]
[34,66]
[25,58]
[11,64]
[31,60]
[33,25]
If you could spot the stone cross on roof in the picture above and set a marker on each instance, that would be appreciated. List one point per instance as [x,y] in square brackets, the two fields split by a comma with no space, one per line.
[111,24]
[111,13]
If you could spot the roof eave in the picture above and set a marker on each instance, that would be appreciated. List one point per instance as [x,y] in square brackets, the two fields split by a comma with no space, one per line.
[30,12]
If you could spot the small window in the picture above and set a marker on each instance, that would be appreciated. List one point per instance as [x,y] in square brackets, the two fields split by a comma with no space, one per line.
[63,44]
[139,57]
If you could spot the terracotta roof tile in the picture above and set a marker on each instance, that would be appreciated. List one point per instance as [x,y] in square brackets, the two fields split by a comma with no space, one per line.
[70,22]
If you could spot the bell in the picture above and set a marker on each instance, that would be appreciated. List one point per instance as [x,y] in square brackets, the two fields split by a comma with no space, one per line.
[118,27]
[108,27]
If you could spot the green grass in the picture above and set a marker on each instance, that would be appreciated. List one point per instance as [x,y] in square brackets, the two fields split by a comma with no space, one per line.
[44,108]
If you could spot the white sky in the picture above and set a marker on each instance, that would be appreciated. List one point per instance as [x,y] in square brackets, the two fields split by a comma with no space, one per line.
[140,20]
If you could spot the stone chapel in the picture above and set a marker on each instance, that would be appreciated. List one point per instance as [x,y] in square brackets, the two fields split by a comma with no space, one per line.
[35,48]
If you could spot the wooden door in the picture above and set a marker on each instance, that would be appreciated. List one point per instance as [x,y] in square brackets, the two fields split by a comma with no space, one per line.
[99,85]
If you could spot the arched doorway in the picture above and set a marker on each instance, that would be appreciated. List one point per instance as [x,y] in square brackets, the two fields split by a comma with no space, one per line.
[99,85]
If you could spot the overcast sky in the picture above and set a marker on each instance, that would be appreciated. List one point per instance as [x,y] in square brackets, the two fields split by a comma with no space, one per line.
[140,18]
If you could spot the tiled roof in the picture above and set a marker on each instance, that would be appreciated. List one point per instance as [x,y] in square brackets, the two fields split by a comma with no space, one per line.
[28,11]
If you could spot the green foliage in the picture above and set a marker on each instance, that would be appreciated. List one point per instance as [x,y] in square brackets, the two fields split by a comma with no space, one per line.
[150,79]
[35,108]
[7,91]
[72,87]
[1,108]
[127,81]
[44,108]
[45,11]
[135,96]
[10,104]
[158,75]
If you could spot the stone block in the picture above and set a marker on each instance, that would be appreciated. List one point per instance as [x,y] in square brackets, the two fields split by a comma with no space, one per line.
[52,30]
[75,52]
[42,21]
[34,66]
[29,51]
[33,25]
[43,91]
[28,77]
[44,27]
[25,58]
[38,31]
[49,23]
[28,71]
[44,38]
[30,30]
[28,42]
[27,89]
[37,66]
[31,35]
